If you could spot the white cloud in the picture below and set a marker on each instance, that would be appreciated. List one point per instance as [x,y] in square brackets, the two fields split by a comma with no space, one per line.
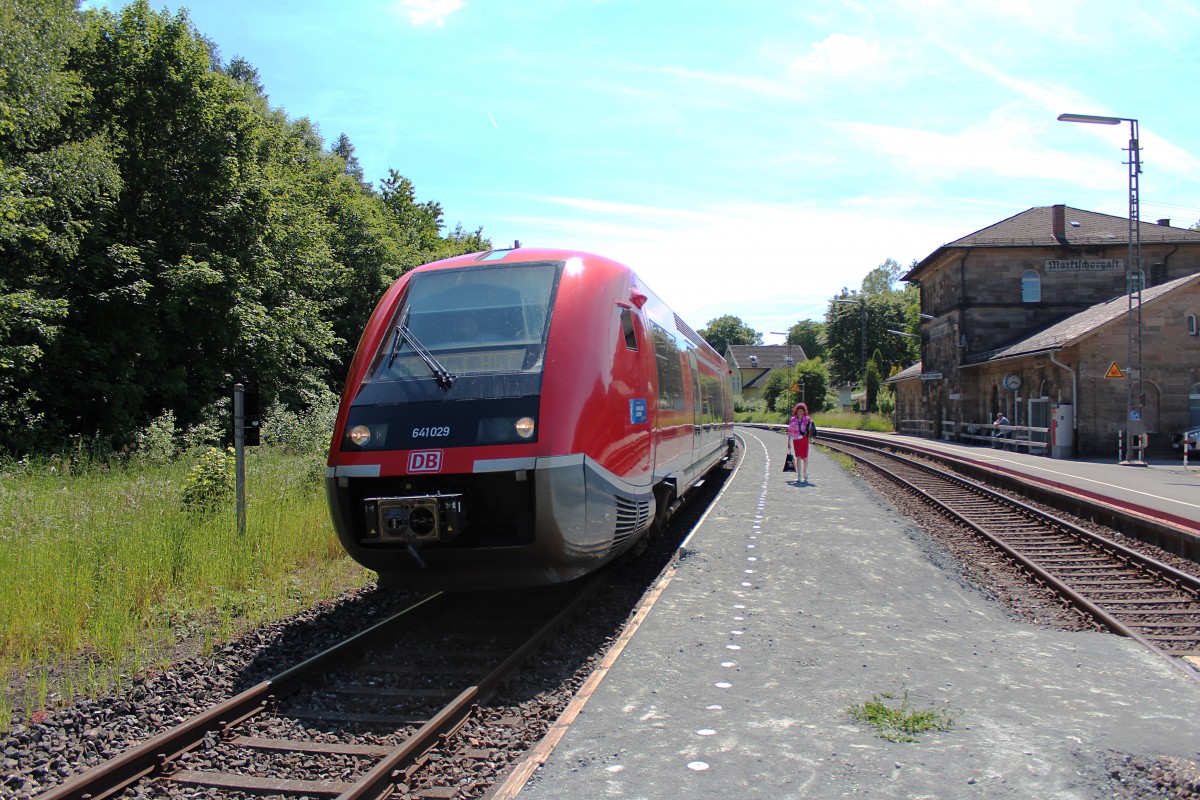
[428,13]
[769,264]
[839,54]
[1005,144]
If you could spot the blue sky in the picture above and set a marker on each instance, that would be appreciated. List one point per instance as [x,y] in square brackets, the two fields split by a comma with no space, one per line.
[746,158]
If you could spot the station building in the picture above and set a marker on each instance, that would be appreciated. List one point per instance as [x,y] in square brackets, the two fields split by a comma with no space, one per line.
[1031,317]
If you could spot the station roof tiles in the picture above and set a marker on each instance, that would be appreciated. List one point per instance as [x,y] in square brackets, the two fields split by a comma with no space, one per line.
[1035,228]
[906,374]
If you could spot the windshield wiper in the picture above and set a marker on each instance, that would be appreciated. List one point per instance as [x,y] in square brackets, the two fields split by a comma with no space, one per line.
[443,377]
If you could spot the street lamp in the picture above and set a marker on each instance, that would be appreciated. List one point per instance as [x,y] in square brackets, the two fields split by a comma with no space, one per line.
[1134,400]
[863,308]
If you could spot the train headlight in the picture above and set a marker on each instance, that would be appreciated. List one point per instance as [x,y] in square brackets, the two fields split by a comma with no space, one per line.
[360,435]
[525,427]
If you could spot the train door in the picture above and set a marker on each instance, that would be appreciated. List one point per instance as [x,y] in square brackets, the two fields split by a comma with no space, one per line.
[697,412]
[697,401]
[633,360]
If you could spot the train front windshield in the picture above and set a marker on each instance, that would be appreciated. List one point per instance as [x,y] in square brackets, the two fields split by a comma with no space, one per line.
[473,320]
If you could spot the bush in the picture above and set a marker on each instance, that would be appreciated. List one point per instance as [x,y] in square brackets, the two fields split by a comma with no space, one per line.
[210,482]
[307,431]
[742,405]
[213,429]
[886,401]
[155,443]
[762,416]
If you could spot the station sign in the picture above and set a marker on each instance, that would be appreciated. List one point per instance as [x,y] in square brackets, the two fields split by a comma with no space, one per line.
[1083,264]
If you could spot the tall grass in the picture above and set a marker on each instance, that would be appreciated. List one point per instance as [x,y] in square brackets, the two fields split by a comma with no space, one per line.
[851,420]
[105,573]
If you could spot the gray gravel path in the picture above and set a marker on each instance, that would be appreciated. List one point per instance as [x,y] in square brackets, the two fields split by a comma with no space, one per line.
[797,602]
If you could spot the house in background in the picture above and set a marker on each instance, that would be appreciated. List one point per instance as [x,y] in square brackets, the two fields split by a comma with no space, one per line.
[1031,314]
[753,364]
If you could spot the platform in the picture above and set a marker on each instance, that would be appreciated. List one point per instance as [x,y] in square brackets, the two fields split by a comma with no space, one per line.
[793,603]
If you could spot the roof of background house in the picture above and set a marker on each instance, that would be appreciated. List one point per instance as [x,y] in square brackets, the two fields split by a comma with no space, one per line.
[1054,226]
[1078,326]
[770,356]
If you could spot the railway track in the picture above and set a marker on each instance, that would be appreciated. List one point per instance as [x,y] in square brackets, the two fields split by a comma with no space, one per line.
[360,719]
[435,702]
[1124,590]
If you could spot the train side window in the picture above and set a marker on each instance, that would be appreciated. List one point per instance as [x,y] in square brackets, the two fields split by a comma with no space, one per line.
[667,359]
[1192,329]
[627,329]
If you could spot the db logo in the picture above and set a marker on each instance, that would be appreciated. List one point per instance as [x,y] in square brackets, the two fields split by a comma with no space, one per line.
[425,461]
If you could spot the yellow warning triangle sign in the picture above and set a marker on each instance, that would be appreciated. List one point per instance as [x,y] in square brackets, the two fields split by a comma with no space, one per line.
[1114,371]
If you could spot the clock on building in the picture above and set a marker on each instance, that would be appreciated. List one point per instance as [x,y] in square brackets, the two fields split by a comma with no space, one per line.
[1012,382]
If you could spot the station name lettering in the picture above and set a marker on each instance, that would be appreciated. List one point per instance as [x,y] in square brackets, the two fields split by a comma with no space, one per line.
[1083,264]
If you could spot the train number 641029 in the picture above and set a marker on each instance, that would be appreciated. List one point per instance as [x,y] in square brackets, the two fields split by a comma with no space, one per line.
[431,432]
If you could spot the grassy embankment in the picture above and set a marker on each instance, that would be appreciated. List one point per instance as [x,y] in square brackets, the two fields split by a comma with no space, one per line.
[105,574]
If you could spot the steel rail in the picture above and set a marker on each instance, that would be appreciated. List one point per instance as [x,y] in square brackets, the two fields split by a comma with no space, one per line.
[113,776]
[378,781]
[1084,604]
[1184,580]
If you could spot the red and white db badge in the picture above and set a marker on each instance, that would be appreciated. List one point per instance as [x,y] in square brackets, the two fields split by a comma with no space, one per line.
[425,461]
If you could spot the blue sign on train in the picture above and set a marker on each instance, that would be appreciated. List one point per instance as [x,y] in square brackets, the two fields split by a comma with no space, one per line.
[637,411]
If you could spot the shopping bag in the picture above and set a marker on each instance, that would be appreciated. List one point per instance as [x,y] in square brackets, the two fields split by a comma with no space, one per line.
[789,463]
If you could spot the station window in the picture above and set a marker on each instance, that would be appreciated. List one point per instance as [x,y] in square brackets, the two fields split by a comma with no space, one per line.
[1194,407]
[1031,287]
[1192,329]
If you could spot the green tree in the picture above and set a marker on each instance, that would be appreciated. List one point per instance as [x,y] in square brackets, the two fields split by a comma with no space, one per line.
[777,389]
[163,231]
[810,379]
[844,333]
[813,375]
[726,330]
[872,315]
[872,382]
[344,149]
[420,222]
[882,280]
[52,186]
[809,334]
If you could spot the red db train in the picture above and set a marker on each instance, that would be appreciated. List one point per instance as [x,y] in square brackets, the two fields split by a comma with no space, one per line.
[519,417]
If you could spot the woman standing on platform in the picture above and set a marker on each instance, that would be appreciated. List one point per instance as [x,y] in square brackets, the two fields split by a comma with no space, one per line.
[798,429]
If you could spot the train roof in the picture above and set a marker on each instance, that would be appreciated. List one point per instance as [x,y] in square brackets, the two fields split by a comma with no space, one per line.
[516,255]
[657,308]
